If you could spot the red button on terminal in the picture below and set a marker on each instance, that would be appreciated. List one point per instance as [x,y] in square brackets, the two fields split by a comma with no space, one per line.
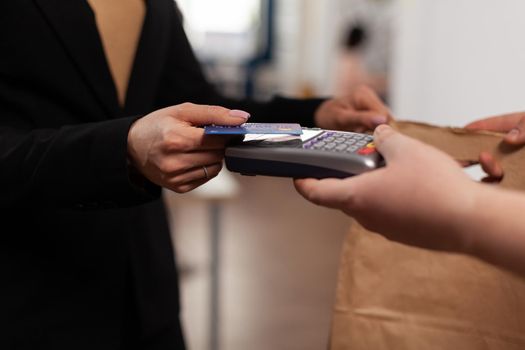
[366,151]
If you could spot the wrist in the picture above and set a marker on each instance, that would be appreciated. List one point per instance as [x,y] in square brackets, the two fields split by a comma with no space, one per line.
[319,119]
[317,114]
[135,169]
[469,217]
[132,154]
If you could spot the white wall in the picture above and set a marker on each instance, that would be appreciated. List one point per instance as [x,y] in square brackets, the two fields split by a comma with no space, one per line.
[306,43]
[456,60]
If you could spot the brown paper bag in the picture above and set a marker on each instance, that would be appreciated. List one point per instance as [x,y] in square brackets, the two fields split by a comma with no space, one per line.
[391,296]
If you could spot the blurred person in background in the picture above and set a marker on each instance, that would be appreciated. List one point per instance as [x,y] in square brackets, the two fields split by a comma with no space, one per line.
[352,69]
[86,253]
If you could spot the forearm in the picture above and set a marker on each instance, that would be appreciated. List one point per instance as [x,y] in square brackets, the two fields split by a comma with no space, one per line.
[495,228]
[76,166]
[277,110]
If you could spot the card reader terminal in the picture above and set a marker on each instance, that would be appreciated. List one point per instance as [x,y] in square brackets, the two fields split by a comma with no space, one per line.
[316,153]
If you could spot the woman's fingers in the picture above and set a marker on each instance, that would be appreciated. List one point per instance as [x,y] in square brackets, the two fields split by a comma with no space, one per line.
[194,178]
[176,164]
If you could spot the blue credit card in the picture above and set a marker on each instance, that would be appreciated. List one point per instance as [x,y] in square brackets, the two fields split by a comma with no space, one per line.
[254,128]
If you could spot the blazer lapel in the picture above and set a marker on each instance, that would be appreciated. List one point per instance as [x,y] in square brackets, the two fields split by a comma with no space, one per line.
[75,26]
[150,57]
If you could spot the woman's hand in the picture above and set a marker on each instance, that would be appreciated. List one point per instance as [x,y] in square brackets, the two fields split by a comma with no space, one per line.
[361,111]
[169,149]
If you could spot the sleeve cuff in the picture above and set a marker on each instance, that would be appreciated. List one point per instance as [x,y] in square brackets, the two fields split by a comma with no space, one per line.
[124,186]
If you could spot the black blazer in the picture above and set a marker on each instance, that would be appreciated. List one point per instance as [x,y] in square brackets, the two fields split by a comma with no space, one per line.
[85,257]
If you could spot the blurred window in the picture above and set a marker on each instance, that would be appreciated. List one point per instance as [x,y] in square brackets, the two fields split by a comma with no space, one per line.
[225,30]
